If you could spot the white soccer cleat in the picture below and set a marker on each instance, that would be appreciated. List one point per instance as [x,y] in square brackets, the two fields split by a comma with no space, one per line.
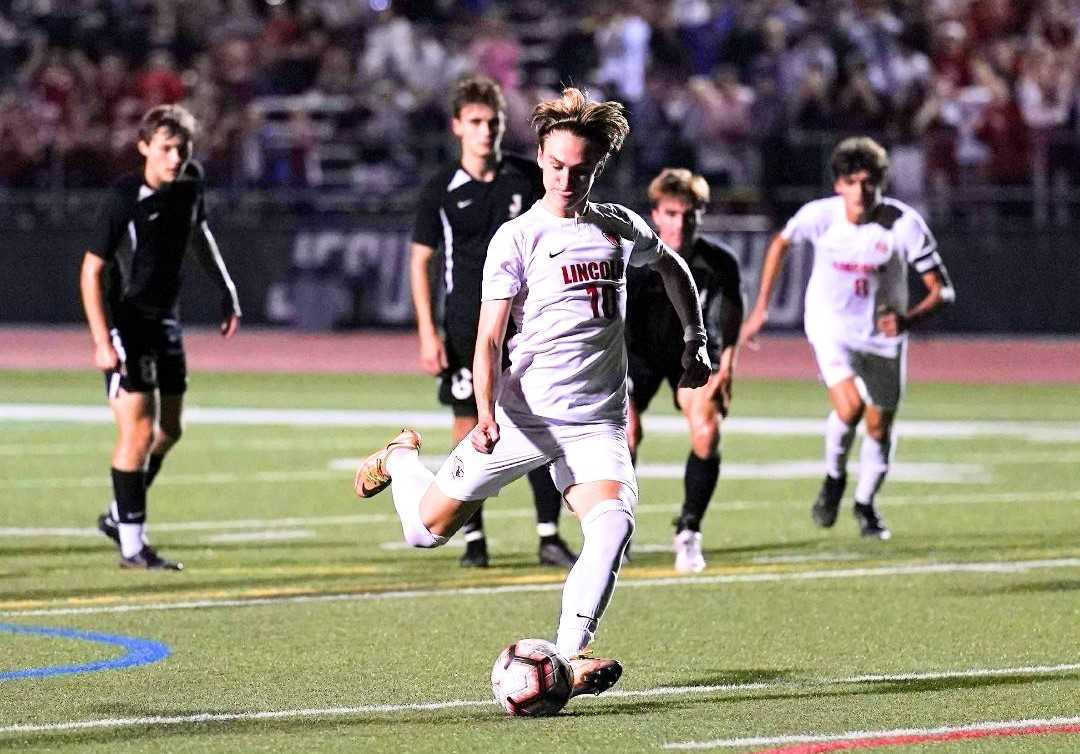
[688,557]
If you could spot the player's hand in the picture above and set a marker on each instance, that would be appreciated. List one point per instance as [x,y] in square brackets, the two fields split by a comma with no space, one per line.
[890,322]
[105,357]
[696,365]
[484,435]
[751,327]
[230,325]
[432,354]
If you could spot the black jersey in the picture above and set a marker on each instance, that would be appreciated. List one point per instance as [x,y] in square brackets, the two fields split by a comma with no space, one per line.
[461,214]
[653,330]
[143,235]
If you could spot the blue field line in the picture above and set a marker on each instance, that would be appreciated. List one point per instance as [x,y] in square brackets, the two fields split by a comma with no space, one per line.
[137,652]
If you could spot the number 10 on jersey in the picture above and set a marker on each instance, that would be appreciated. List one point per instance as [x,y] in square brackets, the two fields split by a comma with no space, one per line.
[602,299]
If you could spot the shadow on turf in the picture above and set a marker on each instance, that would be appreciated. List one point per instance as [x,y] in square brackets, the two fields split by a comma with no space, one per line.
[1042,587]
[623,706]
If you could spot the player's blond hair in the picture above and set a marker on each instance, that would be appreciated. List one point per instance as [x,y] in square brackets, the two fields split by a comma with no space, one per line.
[680,183]
[860,153]
[173,118]
[602,124]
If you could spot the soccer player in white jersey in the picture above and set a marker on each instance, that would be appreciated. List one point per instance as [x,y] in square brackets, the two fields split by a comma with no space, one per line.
[557,271]
[857,315]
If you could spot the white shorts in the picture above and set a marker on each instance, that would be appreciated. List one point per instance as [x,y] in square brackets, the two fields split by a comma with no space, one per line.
[880,379]
[575,454]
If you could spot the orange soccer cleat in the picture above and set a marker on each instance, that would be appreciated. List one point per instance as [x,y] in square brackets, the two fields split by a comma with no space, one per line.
[372,476]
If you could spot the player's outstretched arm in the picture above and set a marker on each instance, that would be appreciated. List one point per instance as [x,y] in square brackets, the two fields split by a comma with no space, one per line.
[92,287]
[432,352]
[494,315]
[681,289]
[775,256]
[210,258]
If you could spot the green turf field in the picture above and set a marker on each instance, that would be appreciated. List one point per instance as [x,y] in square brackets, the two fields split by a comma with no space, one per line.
[301,625]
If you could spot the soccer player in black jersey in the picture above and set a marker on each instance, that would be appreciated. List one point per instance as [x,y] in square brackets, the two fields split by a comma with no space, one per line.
[459,210]
[654,344]
[130,285]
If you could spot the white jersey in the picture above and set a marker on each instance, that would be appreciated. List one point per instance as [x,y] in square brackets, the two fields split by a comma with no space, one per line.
[567,281]
[859,268]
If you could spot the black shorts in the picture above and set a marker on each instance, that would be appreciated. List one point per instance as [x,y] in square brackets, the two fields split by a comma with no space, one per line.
[644,378]
[455,382]
[151,353]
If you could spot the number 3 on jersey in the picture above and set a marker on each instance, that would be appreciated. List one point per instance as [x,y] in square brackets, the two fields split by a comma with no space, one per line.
[602,299]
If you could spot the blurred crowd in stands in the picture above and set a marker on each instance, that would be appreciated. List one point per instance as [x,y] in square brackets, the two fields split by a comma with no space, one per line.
[352,94]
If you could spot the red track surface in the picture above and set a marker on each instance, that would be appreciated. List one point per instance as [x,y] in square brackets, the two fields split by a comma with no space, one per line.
[975,360]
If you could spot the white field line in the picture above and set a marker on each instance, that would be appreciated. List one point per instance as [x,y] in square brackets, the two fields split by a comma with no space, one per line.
[888,501]
[260,445]
[856,735]
[279,535]
[992,567]
[903,471]
[48,412]
[937,473]
[382,709]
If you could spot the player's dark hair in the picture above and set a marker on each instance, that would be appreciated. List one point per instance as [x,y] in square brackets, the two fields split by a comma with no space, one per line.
[681,183]
[477,90]
[602,124]
[860,153]
[173,118]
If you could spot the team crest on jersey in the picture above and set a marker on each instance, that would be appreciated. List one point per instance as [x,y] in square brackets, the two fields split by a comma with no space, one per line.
[613,240]
[881,247]
[515,206]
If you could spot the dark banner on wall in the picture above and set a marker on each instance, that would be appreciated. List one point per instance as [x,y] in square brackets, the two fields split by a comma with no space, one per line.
[355,273]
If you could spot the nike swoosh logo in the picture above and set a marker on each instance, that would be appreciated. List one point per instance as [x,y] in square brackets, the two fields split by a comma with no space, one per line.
[555,253]
[464,203]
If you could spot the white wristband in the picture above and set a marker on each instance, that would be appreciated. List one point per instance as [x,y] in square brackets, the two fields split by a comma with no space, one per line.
[694,334]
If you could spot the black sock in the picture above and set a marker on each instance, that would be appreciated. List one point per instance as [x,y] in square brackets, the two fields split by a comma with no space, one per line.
[547,499]
[699,483]
[129,489]
[475,523]
[153,466]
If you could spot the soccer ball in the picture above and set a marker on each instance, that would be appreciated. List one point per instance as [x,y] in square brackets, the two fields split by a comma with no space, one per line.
[531,678]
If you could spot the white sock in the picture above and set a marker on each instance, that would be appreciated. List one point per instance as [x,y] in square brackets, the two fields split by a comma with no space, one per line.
[874,457]
[547,529]
[131,539]
[606,530]
[838,437]
[410,480]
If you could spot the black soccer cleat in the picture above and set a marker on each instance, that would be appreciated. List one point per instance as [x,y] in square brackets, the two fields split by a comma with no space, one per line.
[147,559]
[827,504]
[476,554]
[870,523]
[555,552]
[108,526]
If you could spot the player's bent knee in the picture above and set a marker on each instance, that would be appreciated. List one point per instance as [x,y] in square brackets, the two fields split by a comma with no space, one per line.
[419,536]
[615,516]
[705,436]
